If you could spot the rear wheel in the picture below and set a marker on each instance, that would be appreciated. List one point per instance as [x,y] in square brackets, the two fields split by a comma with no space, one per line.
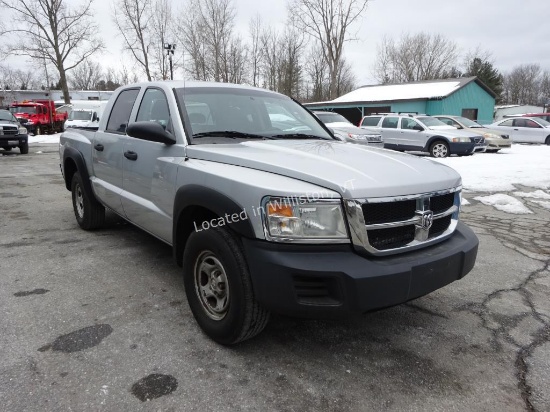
[38,130]
[439,149]
[89,213]
[547,142]
[219,288]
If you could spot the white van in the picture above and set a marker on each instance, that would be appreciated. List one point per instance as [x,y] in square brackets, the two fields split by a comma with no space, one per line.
[86,116]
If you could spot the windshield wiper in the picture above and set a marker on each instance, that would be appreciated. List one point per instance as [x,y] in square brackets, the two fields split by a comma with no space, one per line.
[298,136]
[232,134]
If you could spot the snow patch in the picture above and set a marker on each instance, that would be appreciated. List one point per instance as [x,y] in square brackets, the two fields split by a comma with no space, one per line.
[544,204]
[505,203]
[538,194]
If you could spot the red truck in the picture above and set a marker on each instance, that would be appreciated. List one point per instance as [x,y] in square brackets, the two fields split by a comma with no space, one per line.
[39,116]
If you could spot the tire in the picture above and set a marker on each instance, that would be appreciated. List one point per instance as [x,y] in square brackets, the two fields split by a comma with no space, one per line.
[492,151]
[219,288]
[89,213]
[24,148]
[547,141]
[38,130]
[439,149]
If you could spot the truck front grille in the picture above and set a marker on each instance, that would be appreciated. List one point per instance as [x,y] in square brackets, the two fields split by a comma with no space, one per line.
[393,225]
[8,131]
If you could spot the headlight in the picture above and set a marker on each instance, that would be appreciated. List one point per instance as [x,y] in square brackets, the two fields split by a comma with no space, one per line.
[461,140]
[293,219]
[22,130]
[491,136]
[357,136]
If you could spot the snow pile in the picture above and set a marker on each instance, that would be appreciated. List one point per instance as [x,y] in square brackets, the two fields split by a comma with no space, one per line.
[505,203]
[45,138]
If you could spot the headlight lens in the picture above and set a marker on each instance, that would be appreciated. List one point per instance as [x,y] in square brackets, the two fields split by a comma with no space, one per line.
[461,140]
[294,219]
[490,136]
[22,130]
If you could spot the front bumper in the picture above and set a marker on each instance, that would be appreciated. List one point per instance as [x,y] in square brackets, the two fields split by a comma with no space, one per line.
[333,280]
[463,148]
[14,141]
[493,144]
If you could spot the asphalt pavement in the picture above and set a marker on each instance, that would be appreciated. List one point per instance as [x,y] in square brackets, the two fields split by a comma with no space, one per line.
[98,321]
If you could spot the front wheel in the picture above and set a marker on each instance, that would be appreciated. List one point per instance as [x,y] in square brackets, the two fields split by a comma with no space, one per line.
[219,288]
[547,142]
[38,130]
[24,148]
[439,149]
[89,213]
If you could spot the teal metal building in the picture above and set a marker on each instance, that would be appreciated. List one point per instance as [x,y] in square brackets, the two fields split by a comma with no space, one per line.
[465,96]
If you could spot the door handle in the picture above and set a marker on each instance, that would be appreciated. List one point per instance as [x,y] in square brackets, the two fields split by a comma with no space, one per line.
[517,130]
[130,155]
[99,147]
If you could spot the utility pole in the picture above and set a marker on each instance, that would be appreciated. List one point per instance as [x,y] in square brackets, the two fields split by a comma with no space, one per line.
[170,47]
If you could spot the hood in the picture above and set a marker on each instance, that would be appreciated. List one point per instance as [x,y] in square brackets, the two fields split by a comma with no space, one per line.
[354,171]
[451,131]
[353,129]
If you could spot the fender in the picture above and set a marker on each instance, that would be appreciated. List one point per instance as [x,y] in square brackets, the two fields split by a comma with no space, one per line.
[432,139]
[78,158]
[195,196]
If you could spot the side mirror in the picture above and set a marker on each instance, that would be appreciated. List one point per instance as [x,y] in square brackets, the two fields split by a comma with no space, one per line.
[418,128]
[151,131]
[95,118]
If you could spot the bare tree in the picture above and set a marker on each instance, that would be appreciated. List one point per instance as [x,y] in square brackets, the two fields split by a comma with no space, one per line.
[255,49]
[50,31]
[133,19]
[162,25]
[415,57]
[316,70]
[328,21]
[189,32]
[86,76]
[522,84]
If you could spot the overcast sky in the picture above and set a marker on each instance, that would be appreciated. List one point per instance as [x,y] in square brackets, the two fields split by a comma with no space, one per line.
[514,31]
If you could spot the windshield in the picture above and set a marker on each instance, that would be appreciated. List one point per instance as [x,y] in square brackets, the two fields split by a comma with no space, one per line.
[80,115]
[231,113]
[468,123]
[23,109]
[5,115]
[331,118]
[431,121]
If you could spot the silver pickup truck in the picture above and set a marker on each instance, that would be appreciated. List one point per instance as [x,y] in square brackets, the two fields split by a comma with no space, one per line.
[264,209]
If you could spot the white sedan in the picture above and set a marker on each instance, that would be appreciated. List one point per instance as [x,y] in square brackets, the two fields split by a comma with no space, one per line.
[525,129]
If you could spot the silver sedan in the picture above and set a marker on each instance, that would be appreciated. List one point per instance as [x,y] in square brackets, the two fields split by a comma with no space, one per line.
[525,129]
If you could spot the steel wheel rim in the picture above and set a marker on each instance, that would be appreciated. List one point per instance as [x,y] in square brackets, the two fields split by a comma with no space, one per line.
[79,201]
[211,285]
[439,150]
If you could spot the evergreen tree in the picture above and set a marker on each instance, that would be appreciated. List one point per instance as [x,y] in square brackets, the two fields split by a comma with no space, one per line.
[485,72]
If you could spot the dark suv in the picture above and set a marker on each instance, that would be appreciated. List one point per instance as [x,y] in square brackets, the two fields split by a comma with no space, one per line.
[12,134]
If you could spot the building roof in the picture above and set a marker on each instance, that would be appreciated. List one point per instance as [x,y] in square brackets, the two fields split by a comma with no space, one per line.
[424,90]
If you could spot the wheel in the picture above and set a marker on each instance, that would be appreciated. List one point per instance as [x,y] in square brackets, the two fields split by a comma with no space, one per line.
[89,213]
[219,289]
[38,130]
[439,149]
[491,150]
[547,141]
[24,148]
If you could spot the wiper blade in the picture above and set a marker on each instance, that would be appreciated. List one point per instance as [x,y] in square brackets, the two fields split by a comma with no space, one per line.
[232,134]
[298,136]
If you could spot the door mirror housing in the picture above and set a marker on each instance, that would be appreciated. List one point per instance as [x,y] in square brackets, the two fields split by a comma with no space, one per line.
[151,131]
[418,128]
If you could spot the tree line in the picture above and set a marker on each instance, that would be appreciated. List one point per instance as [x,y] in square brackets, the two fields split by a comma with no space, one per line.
[304,60]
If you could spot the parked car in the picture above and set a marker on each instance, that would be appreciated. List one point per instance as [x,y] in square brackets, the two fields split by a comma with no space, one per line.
[544,116]
[525,129]
[346,131]
[424,133]
[264,220]
[12,133]
[495,139]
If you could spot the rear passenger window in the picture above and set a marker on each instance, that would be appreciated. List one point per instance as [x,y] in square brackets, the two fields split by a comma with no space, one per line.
[120,114]
[370,121]
[390,122]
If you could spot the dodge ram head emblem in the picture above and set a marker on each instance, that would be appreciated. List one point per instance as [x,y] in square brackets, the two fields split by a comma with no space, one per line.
[427,219]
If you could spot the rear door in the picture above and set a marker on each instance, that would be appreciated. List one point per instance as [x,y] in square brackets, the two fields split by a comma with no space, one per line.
[150,169]
[107,151]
